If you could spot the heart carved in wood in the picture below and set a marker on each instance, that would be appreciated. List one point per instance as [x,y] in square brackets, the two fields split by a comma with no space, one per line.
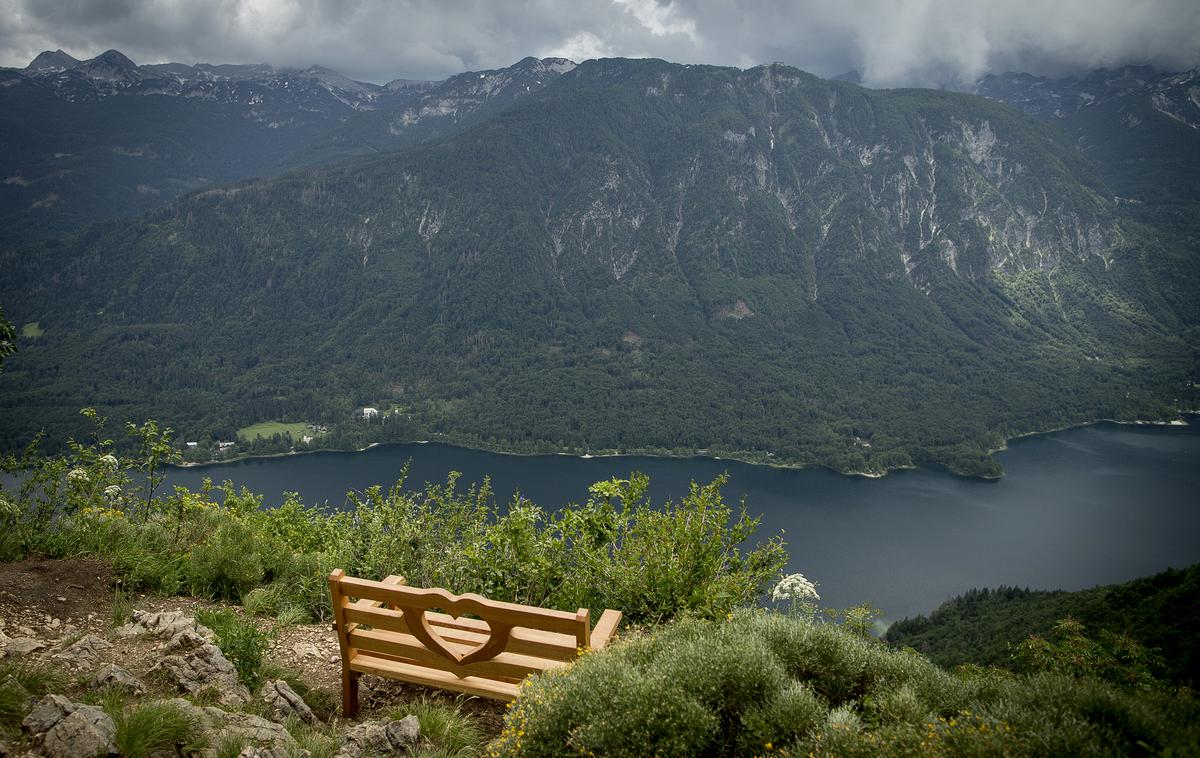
[418,624]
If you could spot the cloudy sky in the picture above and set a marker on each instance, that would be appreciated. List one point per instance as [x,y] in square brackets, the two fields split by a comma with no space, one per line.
[891,42]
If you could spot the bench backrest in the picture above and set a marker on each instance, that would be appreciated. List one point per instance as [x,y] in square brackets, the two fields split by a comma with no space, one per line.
[387,628]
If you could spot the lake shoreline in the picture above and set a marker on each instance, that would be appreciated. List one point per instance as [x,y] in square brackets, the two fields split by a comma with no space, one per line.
[1179,420]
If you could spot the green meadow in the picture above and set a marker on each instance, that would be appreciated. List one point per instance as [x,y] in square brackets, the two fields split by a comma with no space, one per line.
[268,429]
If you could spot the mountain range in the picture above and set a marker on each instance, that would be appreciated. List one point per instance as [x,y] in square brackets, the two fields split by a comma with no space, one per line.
[624,255]
[84,141]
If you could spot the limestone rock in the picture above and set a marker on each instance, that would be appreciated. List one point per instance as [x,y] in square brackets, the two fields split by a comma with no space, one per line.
[282,702]
[23,646]
[270,752]
[193,711]
[87,651]
[306,650]
[378,738]
[184,640]
[201,668]
[404,734]
[46,713]
[86,731]
[114,677]
[164,625]
[249,728]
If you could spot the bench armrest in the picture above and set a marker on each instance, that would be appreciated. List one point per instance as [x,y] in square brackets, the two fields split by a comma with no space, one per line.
[606,627]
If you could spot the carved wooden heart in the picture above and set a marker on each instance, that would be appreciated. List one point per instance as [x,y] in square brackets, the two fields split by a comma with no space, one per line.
[418,624]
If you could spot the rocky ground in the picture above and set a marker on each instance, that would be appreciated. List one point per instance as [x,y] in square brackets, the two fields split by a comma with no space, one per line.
[60,615]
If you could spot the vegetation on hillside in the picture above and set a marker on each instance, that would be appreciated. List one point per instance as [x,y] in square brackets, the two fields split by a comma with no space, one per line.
[739,263]
[8,339]
[985,626]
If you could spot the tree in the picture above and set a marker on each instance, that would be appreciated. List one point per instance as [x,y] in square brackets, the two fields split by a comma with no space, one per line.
[154,451]
[8,339]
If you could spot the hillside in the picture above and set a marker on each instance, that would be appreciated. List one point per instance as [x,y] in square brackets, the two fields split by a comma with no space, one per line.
[86,141]
[639,255]
[1161,611]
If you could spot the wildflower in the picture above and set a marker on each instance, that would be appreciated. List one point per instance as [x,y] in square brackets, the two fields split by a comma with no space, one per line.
[77,475]
[112,491]
[800,592]
[110,461]
[797,588]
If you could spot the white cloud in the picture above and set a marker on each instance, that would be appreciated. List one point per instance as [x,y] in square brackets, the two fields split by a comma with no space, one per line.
[893,42]
[580,47]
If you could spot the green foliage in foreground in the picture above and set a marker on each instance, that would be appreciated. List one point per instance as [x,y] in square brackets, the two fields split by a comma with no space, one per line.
[617,550]
[242,642]
[983,626]
[760,683]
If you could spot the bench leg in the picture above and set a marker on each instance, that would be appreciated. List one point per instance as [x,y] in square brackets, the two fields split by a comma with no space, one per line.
[349,693]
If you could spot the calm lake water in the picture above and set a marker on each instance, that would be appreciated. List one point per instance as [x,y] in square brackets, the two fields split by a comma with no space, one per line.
[1088,506]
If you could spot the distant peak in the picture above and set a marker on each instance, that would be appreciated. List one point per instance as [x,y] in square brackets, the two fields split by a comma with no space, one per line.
[851,76]
[55,60]
[558,65]
[113,58]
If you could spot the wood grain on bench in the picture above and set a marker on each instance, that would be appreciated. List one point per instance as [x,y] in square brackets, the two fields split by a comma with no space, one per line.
[392,630]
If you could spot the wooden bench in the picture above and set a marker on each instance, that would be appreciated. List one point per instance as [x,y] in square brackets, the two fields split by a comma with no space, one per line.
[388,629]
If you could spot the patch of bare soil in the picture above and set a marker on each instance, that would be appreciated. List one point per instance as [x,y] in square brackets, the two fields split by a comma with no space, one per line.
[70,591]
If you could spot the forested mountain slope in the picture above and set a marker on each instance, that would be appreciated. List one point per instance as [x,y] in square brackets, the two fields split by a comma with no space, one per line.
[984,626]
[640,255]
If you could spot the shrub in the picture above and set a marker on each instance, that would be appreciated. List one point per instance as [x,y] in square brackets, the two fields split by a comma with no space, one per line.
[693,688]
[1115,658]
[615,551]
[762,683]
[228,565]
[242,642]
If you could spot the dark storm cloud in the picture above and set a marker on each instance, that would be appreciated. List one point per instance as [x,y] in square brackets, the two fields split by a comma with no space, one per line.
[892,42]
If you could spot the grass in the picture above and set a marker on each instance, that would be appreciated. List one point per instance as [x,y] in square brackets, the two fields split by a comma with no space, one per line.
[159,729]
[268,429]
[32,330]
[120,610]
[36,678]
[241,641]
[321,740]
[19,684]
[14,703]
[446,729]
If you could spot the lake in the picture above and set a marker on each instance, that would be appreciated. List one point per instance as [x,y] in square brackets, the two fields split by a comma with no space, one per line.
[1087,506]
